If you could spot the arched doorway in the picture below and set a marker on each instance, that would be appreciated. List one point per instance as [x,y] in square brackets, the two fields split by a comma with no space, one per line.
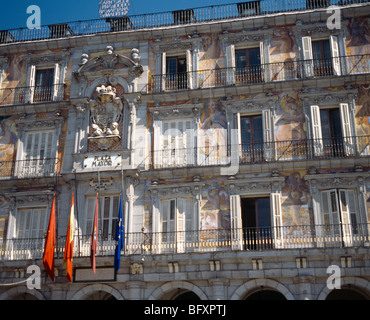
[24,296]
[100,295]
[346,294]
[186,296]
[265,295]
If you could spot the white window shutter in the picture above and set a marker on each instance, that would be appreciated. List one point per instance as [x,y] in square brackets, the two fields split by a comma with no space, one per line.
[157,132]
[345,216]
[190,151]
[348,138]
[162,76]
[275,204]
[31,79]
[264,57]
[307,56]
[316,131]
[236,223]
[330,216]
[335,55]
[189,69]
[57,89]
[268,147]
[230,65]
[180,225]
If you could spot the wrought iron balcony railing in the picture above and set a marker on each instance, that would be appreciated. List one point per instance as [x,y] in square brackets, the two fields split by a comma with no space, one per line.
[250,239]
[261,152]
[29,168]
[36,94]
[169,18]
[256,74]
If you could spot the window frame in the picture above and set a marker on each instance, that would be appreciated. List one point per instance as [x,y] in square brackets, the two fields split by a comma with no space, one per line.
[337,54]
[181,221]
[347,125]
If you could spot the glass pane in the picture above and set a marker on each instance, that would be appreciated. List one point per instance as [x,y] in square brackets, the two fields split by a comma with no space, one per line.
[254,56]
[257,129]
[264,215]
[171,65]
[240,58]
[106,207]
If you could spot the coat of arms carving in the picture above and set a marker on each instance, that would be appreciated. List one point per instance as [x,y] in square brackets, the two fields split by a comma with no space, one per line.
[105,116]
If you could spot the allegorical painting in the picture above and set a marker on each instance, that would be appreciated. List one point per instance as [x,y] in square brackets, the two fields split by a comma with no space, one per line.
[296,205]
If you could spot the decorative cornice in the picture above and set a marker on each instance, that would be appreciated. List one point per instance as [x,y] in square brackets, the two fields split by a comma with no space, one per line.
[246,106]
[254,185]
[326,98]
[186,189]
[178,111]
[47,59]
[177,44]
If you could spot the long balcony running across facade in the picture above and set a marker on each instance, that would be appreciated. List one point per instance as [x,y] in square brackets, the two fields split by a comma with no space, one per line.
[164,19]
[262,73]
[245,239]
[261,152]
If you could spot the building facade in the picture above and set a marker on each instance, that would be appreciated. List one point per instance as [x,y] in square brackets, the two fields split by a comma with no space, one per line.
[237,137]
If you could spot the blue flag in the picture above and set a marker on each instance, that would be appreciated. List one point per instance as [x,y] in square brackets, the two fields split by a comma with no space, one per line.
[119,238]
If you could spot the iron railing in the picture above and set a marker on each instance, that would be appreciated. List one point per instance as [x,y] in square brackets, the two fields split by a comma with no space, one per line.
[261,152]
[29,168]
[35,94]
[251,239]
[169,18]
[256,74]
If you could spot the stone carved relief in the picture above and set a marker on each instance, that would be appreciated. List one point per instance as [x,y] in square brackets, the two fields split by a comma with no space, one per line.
[105,115]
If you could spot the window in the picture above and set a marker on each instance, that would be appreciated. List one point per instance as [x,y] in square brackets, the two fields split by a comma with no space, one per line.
[256,137]
[248,66]
[44,84]
[252,138]
[174,143]
[174,69]
[30,223]
[176,223]
[29,232]
[38,157]
[322,60]
[321,57]
[339,215]
[332,131]
[256,222]
[176,73]
[108,216]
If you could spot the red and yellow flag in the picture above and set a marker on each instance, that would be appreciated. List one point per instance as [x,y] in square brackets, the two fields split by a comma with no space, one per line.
[48,257]
[68,252]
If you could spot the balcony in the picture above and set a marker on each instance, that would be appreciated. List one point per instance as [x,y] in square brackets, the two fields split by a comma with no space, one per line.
[170,18]
[246,239]
[263,73]
[28,95]
[31,168]
[290,150]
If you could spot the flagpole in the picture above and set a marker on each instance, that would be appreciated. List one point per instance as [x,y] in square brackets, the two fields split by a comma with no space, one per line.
[99,212]
[124,212]
[77,217]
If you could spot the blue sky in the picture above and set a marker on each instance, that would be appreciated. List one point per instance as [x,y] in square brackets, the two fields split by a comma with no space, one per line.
[13,13]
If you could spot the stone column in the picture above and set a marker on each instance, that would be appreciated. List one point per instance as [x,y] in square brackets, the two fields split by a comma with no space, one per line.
[219,288]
